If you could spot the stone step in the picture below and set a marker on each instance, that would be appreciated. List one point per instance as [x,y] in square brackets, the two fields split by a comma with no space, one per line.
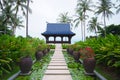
[57,61]
[57,68]
[57,77]
[57,58]
[57,72]
[57,64]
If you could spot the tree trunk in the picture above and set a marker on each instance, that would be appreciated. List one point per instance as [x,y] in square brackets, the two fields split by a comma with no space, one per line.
[84,27]
[96,32]
[82,30]
[27,19]
[104,25]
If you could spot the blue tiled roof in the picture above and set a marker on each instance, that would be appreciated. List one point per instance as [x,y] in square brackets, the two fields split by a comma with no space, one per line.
[58,29]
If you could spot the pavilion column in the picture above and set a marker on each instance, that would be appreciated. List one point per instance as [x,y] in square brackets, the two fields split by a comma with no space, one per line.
[69,39]
[54,39]
[62,39]
[47,39]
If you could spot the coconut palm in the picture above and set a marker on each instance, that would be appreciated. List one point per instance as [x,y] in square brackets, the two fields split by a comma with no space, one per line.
[94,25]
[6,14]
[64,18]
[104,9]
[79,20]
[84,6]
[118,7]
[22,4]
[27,19]
[10,9]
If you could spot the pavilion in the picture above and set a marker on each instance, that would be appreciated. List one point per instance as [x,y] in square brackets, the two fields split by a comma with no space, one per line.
[55,30]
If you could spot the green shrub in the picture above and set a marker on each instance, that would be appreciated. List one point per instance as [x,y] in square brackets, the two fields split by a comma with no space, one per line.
[13,48]
[107,50]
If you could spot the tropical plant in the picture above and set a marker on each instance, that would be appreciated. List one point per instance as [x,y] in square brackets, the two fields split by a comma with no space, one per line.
[106,50]
[64,18]
[13,48]
[111,29]
[9,10]
[118,7]
[87,52]
[103,8]
[84,6]
[79,19]
[94,25]
[28,10]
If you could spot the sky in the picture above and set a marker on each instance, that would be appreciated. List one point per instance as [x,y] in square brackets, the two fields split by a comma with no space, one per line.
[44,11]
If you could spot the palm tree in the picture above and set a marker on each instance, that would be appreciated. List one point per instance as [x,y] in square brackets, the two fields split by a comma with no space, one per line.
[79,20]
[94,25]
[84,6]
[118,7]
[22,4]
[64,18]
[104,9]
[10,9]
[27,19]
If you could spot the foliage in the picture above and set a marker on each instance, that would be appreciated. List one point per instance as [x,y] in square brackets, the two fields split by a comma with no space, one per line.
[64,18]
[82,7]
[38,69]
[13,48]
[76,69]
[10,16]
[107,50]
[65,46]
[94,25]
[104,8]
[51,46]
[75,47]
[111,29]
[87,52]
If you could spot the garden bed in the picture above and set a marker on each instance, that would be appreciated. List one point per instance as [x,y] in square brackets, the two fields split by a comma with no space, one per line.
[38,69]
[109,73]
[76,69]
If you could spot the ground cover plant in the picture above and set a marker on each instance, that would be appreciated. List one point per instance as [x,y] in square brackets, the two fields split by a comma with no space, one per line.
[12,49]
[107,52]
[76,69]
[38,68]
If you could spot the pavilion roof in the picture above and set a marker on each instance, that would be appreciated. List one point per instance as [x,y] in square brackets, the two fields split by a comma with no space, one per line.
[58,29]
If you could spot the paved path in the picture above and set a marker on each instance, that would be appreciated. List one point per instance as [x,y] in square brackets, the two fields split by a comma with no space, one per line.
[57,68]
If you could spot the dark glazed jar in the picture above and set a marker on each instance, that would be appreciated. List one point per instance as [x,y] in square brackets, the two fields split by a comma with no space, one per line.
[89,65]
[38,55]
[25,64]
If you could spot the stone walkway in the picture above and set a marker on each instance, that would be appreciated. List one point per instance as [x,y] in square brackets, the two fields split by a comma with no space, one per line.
[57,68]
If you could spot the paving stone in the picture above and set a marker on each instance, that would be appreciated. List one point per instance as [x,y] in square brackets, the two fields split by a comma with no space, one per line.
[58,67]
[57,77]
[57,64]
[57,61]
[57,72]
